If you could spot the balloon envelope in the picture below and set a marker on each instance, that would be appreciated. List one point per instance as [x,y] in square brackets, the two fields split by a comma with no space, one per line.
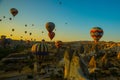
[50,26]
[51,35]
[30,33]
[32,24]
[96,33]
[25,25]
[3,16]
[13,29]
[10,34]
[42,31]
[14,11]
[10,18]
[25,32]
[58,44]
[40,48]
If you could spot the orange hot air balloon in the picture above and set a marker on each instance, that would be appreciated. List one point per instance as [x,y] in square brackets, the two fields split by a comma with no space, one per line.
[14,11]
[50,26]
[51,35]
[58,44]
[96,33]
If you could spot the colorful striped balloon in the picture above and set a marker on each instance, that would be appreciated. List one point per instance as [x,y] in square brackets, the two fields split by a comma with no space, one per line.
[40,48]
[96,33]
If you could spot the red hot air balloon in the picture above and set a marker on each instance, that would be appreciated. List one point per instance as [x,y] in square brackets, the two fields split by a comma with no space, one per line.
[51,35]
[14,11]
[96,33]
[50,26]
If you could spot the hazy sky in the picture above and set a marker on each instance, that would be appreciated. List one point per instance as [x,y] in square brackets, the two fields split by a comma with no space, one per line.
[73,18]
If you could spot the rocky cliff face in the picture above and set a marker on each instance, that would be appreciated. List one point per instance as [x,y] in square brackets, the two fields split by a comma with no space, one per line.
[75,67]
[103,62]
[107,63]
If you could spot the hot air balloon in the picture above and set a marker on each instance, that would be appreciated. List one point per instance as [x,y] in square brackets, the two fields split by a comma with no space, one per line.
[10,34]
[25,25]
[58,44]
[5,41]
[32,24]
[28,42]
[42,31]
[51,35]
[3,16]
[25,32]
[60,2]
[13,29]
[30,33]
[14,11]
[66,23]
[50,26]
[96,33]
[34,39]
[40,48]
[10,18]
